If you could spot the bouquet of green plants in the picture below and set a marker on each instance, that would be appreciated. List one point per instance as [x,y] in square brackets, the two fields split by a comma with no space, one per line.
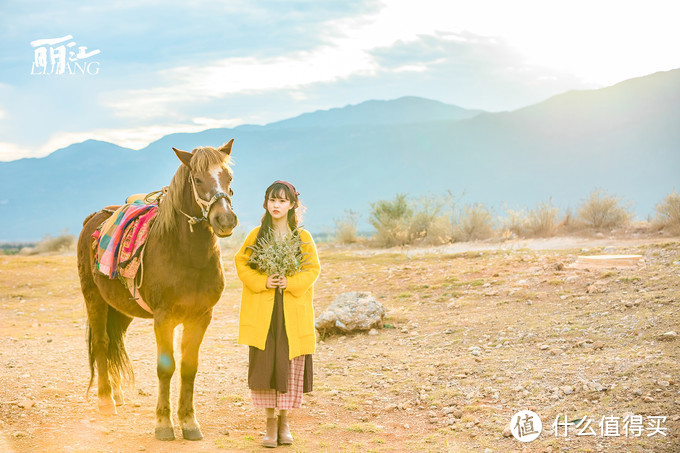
[283,256]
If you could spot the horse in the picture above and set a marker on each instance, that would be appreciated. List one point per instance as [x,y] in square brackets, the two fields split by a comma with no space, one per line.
[181,281]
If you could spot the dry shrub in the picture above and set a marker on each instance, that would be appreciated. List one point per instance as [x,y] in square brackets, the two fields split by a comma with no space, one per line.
[602,211]
[668,213]
[392,221]
[49,244]
[515,222]
[440,231]
[427,218]
[346,227]
[542,220]
[475,223]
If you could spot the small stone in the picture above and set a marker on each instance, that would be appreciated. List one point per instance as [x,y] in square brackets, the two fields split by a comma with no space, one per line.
[555,351]
[507,432]
[26,404]
[637,392]
[406,426]
[598,345]
[669,336]
[664,383]
[544,347]
[648,399]
[373,332]
[20,434]
[567,389]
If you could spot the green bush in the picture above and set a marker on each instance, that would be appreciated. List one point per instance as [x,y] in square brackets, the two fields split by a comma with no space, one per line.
[668,212]
[392,221]
[603,211]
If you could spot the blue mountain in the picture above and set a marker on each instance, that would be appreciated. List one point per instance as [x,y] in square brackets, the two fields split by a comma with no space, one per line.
[623,139]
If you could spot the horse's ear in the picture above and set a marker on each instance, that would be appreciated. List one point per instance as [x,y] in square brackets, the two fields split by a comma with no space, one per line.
[184,156]
[226,148]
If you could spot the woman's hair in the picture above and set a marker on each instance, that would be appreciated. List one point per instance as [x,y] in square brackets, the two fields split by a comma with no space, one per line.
[280,189]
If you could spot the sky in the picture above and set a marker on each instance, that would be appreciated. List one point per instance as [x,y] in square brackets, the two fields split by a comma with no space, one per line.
[143,69]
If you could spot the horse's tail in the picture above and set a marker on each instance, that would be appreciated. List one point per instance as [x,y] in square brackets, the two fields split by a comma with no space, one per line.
[118,363]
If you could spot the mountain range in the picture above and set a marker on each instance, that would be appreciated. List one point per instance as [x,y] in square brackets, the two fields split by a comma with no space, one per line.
[623,139]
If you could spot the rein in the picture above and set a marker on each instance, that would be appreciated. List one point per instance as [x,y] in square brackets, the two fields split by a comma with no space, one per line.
[203,204]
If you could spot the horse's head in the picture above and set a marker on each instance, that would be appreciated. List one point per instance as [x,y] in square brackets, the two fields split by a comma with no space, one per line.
[209,181]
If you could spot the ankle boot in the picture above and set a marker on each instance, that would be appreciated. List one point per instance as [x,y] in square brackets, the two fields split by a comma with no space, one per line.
[270,437]
[285,438]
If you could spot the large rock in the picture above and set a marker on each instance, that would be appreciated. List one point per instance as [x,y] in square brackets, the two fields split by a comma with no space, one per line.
[351,312]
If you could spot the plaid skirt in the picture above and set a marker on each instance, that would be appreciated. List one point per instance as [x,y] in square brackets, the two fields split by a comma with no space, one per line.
[273,379]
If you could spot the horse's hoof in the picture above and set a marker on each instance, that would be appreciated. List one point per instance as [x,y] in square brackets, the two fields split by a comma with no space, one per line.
[107,408]
[192,434]
[119,400]
[165,433]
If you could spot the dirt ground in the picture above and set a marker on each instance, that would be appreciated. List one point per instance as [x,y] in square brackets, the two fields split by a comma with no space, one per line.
[474,333]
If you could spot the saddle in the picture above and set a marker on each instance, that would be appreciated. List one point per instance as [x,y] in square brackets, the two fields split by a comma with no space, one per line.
[120,239]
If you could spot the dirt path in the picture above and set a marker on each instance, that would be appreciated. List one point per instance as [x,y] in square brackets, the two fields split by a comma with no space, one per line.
[473,336]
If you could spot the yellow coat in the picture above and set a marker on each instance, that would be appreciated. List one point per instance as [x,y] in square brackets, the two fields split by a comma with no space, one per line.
[257,301]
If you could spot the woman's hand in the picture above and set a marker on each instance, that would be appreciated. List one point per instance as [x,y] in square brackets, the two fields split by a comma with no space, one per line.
[272,281]
[277,281]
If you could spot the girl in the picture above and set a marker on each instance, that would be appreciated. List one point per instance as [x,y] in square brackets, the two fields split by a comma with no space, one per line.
[277,318]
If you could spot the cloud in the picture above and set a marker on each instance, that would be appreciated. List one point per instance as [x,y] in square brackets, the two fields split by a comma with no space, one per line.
[229,76]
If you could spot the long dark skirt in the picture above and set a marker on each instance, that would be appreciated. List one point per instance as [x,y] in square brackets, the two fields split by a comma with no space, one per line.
[269,369]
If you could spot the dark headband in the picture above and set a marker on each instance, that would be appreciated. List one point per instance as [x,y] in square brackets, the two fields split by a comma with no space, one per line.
[289,185]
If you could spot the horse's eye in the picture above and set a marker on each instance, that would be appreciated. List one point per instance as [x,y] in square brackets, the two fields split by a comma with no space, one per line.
[199,181]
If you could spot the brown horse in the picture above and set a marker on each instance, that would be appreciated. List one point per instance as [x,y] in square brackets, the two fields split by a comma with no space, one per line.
[182,280]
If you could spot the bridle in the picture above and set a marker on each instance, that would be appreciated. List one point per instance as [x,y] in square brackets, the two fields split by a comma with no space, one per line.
[204,205]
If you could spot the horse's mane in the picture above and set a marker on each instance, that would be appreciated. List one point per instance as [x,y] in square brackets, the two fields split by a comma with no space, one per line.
[204,159]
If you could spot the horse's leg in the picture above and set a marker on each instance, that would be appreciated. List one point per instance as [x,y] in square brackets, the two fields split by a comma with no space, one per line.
[165,367]
[191,341]
[98,343]
[120,378]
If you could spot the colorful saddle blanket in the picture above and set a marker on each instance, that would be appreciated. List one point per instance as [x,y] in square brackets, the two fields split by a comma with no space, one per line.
[121,239]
